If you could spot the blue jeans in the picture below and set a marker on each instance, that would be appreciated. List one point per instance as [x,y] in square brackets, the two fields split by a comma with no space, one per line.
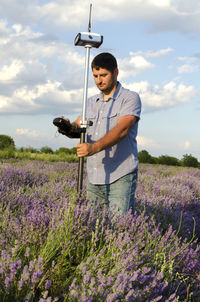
[119,196]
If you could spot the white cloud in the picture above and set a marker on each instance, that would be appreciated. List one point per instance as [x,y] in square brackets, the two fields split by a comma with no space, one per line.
[188,68]
[28,138]
[34,138]
[187,145]
[163,3]
[162,15]
[188,60]
[65,12]
[158,53]
[133,65]
[146,142]
[152,53]
[136,62]
[9,72]
[48,98]
[186,7]
[37,75]
[190,64]
[29,133]
[4,32]
[170,95]
[21,11]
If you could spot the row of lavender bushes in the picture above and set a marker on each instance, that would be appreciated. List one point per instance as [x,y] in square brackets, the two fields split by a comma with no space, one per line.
[54,247]
[69,155]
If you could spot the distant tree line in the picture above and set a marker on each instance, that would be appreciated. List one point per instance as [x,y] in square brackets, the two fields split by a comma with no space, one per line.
[7,143]
[48,150]
[187,160]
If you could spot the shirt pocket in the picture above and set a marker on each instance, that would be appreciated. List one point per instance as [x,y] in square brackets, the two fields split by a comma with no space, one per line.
[110,119]
[91,118]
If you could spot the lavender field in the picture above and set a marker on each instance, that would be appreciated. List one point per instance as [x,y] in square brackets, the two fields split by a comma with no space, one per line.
[54,247]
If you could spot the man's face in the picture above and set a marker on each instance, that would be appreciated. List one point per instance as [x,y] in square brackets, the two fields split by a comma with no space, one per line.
[104,79]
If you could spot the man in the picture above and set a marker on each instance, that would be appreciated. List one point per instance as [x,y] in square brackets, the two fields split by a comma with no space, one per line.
[111,145]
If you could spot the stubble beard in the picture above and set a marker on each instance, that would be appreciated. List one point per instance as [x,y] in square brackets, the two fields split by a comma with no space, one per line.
[109,88]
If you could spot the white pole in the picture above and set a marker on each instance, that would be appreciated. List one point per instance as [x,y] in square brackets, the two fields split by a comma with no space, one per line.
[85,91]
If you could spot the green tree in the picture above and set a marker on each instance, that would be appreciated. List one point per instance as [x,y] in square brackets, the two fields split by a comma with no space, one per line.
[145,157]
[6,142]
[46,149]
[189,161]
[168,160]
[66,150]
[29,149]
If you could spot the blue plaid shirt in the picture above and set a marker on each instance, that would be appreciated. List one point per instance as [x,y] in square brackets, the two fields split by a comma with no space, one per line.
[112,163]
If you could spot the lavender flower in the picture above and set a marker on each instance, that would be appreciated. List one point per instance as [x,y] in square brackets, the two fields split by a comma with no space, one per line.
[48,284]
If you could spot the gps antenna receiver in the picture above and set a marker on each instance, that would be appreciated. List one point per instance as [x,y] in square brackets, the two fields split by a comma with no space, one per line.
[88,39]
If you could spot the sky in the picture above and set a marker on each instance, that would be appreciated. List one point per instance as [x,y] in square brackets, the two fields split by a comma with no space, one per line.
[157,46]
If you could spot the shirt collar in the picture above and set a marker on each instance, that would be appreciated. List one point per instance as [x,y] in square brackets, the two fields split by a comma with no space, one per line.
[114,96]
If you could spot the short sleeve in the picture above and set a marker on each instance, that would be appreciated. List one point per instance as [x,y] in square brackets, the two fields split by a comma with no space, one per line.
[131,104]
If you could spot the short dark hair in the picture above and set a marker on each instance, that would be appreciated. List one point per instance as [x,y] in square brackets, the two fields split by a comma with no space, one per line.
[104,60]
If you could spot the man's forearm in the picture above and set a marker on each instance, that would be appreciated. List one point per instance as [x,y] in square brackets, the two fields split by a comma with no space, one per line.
[116,134]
